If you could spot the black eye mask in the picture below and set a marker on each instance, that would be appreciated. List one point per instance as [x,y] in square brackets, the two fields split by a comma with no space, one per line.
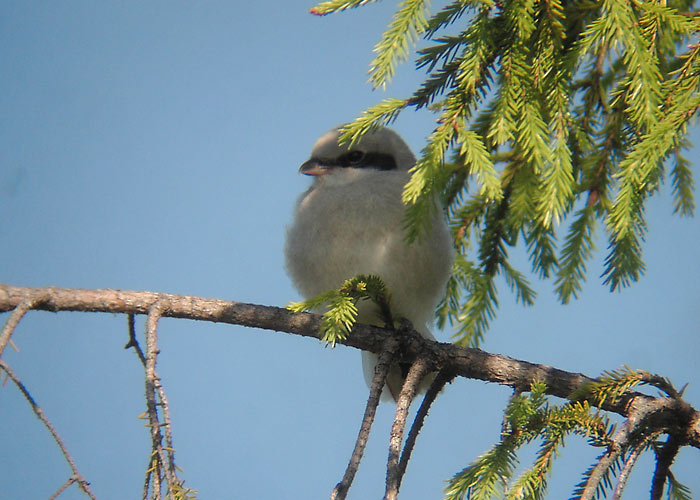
[360,159]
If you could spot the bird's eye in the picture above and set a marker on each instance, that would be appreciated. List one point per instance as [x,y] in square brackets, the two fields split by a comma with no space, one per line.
[355,157]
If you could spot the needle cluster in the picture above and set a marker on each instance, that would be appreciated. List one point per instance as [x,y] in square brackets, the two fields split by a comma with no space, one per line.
[554,120]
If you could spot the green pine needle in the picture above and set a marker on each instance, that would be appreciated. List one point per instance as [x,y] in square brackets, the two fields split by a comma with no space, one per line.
[340,306]
[409,22]
[378,115]
[678,491]
[477,160]
[487,477]
[331,6]
[578,249]
[547,115]
[683,186]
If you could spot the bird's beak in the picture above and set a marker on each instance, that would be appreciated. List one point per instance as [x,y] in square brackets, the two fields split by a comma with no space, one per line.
[313,167]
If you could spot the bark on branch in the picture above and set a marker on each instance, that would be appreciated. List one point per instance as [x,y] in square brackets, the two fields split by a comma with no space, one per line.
[675,415]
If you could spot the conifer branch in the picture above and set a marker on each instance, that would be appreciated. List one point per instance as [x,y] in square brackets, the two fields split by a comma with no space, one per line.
[489,475]
[331,6]
[408,24]
[683,184]
[471,363]
[566,137]
[578,248]
[378,115]
[447,16]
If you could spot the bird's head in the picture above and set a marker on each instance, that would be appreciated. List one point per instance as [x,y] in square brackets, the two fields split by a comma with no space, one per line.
[378,150]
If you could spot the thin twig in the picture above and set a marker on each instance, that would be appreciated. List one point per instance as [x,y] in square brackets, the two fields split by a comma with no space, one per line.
[147,481]
[634,433]
[14,319]
[418,369]
[626,470]
[133,342]
[619,443]
[664,459]
[504,423]
[63,487]
[380,373]
[156,477]
[152,383]
[84,485]
[438,383]
[155,462]
[167,424]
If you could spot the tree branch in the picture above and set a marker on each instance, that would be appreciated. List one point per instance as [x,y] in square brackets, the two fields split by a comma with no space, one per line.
[77,476]
[63,487]
[393,472]
[606,461]
[670,413]
[624,473]
[640,429]
[159,466]
[439,382]
[17,314]
[382,369]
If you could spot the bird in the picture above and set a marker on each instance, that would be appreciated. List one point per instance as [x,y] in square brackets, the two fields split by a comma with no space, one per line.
[350,221]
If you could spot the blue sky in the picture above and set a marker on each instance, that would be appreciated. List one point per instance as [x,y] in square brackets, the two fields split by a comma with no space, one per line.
[155,146]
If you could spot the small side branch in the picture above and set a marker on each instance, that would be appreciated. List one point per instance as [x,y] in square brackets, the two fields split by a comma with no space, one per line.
[598,475]
[17,314]
[380,373]
[440,381]
[133,342]
[63,487]
[643,425]
[624,474]
[77,477]
[393,475]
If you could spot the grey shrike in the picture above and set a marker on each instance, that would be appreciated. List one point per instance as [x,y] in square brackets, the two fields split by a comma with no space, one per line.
[350,222]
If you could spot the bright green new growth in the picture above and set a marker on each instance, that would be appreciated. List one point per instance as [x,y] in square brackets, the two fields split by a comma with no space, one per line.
[408,24]
[341,306]
[552,118]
